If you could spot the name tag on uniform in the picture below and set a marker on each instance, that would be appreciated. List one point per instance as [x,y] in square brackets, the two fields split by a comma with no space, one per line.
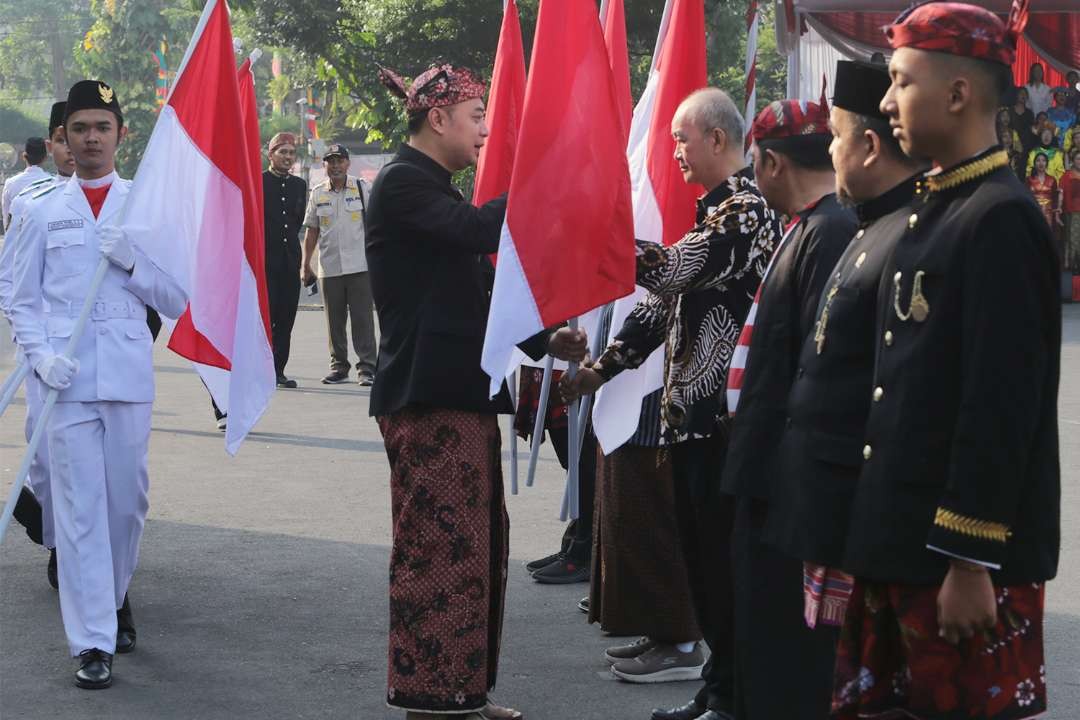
[65,224]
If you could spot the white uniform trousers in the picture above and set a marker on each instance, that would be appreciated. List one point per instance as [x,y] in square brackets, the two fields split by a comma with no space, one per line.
[98,453]
[38,480]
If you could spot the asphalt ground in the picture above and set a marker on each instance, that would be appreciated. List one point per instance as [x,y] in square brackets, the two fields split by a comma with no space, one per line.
[261,591]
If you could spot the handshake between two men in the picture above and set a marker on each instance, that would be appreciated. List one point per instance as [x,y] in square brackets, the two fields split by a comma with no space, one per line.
[573,346]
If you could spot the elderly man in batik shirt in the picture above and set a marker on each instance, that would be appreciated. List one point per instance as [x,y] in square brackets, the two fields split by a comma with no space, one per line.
[700,290]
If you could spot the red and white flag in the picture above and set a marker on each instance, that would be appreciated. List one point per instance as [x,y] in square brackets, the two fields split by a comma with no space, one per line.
[663,202]
[506,100]
[196,207]
[613,15]
[567,241]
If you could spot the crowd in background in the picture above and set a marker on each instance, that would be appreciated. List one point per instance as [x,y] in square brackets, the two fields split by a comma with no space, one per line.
[1041,131]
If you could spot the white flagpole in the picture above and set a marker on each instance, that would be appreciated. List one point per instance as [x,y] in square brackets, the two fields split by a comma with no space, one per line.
[13,383]
[50,400]
[541,415]
[512,383]
[570,504]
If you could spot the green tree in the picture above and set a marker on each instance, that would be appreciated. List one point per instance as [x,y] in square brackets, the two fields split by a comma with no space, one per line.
[346,42]
[36,42]
[117,49]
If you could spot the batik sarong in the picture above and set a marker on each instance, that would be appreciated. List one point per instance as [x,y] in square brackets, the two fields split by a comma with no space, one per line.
[891,662]
[448,561]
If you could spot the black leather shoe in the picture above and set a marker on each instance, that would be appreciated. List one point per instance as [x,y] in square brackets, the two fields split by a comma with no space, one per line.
[715,715]
[125,628]
[563,571]
[95,670]
[27,513]
[689,711]
[284,382]
[54,578]
[531,567]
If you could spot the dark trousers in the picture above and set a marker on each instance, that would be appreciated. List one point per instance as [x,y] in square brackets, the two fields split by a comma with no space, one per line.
[705,517]
[348,298]
[283,289]
[773,646]
[577,538]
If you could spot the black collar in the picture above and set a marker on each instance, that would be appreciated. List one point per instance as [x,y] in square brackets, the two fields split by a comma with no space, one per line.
[407,153]
[888,201]
[736,183]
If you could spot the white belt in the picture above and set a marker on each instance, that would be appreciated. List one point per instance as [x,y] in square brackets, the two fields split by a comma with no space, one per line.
[103,310]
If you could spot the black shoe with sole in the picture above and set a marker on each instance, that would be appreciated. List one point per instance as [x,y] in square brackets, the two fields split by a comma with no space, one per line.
[365,379]
[542,563]
[284,382]
[54,577]
[27,513]
[583,605]
[336,377]
[563,571]
[689,711]
[95,670]
[125,628]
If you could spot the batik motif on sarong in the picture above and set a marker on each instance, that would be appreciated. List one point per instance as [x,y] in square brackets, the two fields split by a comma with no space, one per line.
[448,561]
[892,664]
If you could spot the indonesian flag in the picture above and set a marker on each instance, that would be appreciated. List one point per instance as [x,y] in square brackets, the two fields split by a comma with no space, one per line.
[504,107]
[196,208]
[567,241]
[613,14]
[663,202]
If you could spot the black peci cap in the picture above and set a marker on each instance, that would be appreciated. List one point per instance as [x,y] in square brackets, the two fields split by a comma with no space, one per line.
[56,117]
[860,87]
[91,95]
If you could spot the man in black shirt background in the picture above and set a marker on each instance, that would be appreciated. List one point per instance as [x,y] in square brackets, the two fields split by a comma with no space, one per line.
[284,202]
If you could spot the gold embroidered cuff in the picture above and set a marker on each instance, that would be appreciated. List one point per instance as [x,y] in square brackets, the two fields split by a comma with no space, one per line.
[973,527]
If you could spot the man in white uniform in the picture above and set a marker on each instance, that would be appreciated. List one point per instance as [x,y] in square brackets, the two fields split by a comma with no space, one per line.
[34,155]
[34,509]
[99,429]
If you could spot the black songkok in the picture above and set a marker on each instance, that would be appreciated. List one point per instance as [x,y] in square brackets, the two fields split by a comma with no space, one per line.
[92,95]
[860,87]
[56,117]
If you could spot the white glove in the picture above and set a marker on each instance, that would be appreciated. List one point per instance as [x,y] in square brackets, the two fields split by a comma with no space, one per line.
[116,246]
[57,371]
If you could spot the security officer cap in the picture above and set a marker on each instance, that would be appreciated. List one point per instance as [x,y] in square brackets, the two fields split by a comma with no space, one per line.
[336,150]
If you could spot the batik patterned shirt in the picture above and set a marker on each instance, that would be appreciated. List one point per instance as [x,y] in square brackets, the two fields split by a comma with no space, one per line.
[700,290]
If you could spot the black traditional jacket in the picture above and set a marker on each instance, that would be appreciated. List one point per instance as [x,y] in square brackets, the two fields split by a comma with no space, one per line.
[427,252]
[820,452]
[700,290]
[961,444]
[786,312]
[284,202]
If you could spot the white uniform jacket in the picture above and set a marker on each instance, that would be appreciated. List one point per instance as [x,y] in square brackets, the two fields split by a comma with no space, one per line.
[7,254]
[57,256]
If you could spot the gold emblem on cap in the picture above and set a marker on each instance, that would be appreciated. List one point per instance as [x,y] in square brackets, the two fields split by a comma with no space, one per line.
[106,93]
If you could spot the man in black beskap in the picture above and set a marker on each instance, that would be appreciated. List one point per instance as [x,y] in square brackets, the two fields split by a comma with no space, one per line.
[284,202]
[820,450]
[428,256]
[773,646]
[955,526]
